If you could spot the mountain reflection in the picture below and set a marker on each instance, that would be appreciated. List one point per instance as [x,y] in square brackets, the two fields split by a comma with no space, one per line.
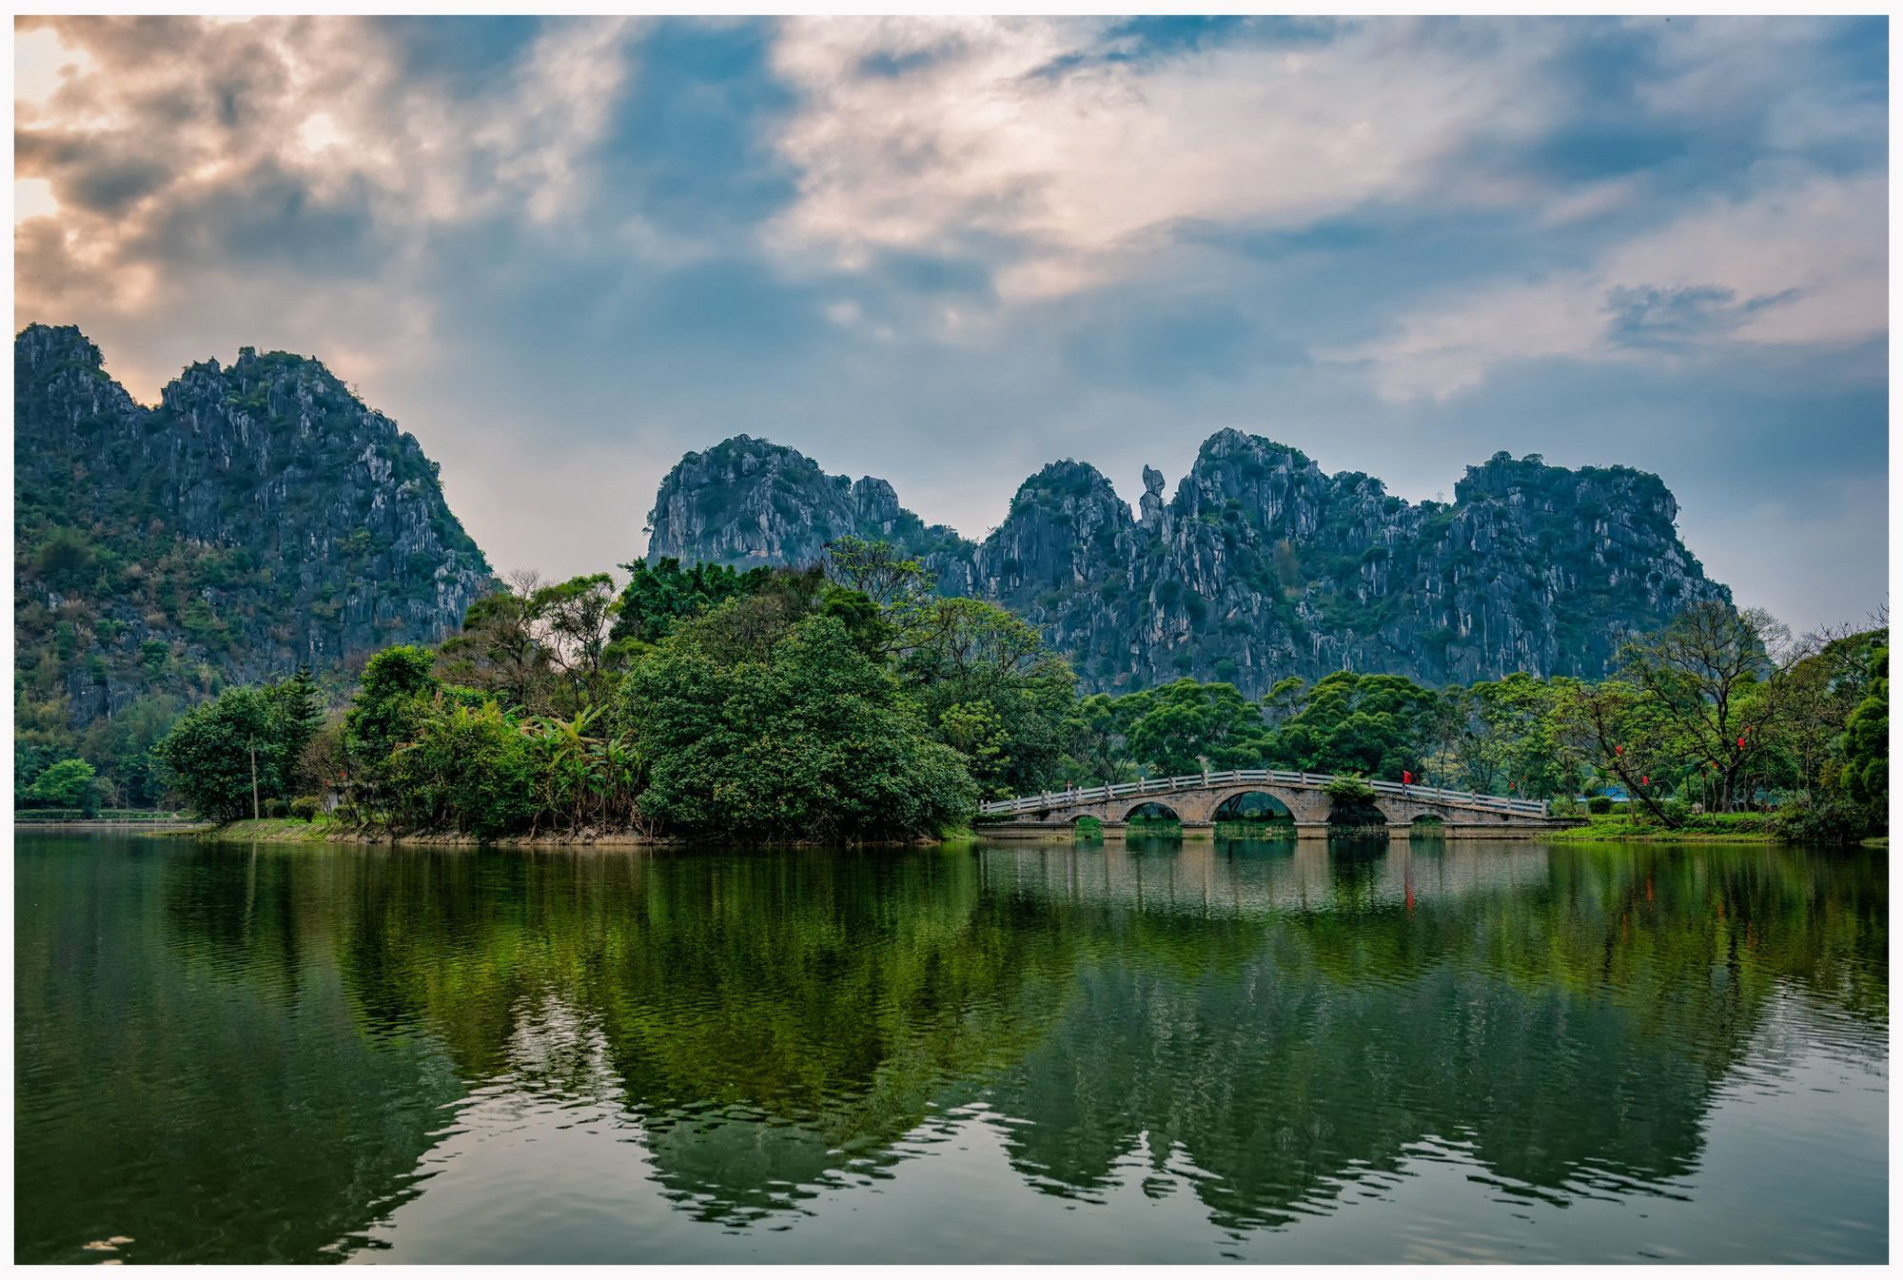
[281,1035]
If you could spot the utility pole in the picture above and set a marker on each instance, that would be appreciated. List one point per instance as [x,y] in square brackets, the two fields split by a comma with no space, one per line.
[254,779]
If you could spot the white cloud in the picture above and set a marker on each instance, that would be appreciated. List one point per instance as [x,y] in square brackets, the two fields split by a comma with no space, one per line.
[1816,253]
[41,64]
[1076,167]
[33,198]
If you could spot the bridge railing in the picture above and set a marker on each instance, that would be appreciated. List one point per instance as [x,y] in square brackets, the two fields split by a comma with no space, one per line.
[1234,777]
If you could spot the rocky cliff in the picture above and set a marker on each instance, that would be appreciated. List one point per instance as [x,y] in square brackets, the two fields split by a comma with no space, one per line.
[750,502]
[1261,565]
[258,519]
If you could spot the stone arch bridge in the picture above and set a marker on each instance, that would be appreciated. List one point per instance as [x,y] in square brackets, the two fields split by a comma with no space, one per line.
[1195,798]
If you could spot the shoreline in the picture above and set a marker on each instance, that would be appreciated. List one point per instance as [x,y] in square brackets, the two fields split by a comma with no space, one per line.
[293,831]
[298,831]
[1590,835]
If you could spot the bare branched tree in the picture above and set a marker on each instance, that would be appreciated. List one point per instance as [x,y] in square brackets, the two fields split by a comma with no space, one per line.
[1700,673]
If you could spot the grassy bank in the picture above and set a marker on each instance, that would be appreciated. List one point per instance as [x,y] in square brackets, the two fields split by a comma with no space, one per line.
[1704,828]
[324,830]
[269,830]
[125,817]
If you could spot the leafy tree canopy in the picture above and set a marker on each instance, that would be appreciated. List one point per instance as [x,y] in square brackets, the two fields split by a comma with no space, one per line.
[64,784]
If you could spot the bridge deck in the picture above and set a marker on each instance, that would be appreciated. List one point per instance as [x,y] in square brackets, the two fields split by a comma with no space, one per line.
[1049,801]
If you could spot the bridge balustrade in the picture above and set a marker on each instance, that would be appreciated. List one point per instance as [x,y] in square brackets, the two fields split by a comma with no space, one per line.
[1237,777]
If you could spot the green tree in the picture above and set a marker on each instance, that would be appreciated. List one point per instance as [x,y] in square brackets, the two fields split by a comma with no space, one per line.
[467,770]
[1630,738]
[1706,675]
[1816,695]
[394,698]
[227,756]
[497,652]
[659,595]
[870,626]
[878,570]
[1866,744]
[808,739]
[64,784]
[957,654]
[1501,737]
[574,618]
[1186,726]
[65,560]
[120,747]
[1097,747]
[1348,722]
[297,710]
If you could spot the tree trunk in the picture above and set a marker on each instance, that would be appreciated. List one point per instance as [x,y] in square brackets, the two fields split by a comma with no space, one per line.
[254,782]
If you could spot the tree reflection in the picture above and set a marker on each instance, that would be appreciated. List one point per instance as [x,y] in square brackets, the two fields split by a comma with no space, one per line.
[1265,1022]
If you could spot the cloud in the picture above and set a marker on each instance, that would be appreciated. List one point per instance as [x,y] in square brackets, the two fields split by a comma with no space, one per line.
[564,251]
[1077,169]
[1672,319]
[1800,265]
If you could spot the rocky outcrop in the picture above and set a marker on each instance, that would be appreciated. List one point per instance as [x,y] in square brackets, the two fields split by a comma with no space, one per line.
[750,502]
[1262,565]
[258,519]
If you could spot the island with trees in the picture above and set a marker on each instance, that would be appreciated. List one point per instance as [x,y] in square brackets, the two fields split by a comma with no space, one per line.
[849,702]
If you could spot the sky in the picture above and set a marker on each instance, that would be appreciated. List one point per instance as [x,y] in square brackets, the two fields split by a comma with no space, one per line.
[562,253]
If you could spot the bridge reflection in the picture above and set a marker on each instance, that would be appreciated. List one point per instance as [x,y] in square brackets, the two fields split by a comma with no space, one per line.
[1260,1025]
[1260,878]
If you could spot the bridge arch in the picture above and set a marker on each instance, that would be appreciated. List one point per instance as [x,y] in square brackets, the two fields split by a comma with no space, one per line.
[1246,804]
[1357,813]
[1152,811]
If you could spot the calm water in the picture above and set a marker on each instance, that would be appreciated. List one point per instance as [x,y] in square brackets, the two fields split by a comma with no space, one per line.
[1187,1051]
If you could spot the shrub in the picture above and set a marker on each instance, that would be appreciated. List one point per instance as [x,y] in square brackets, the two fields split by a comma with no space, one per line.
[467,770]
[64,784]
[1830,822]
[1089,828]
[306,807]
[275,808]
[1599,804]
[1348,788]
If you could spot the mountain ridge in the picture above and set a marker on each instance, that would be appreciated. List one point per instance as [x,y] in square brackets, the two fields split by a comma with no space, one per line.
[258,518]
[1260,565]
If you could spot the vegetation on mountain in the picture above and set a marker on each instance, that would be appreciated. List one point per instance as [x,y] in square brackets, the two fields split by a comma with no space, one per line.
[1262,566]
[828,667]
[792,704]
[258,520]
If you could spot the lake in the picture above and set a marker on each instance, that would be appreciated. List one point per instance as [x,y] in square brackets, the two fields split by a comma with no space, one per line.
[1177,1051]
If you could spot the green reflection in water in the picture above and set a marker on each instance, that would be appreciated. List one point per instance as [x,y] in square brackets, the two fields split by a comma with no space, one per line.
[229,1054]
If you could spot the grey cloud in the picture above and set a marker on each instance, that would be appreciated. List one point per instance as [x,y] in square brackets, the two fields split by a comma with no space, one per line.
[86,174]
[558,360]
[1670,319]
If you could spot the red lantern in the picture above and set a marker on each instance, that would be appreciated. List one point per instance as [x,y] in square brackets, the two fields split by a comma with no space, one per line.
[1741,742]
[1646,781]
[1618,751]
